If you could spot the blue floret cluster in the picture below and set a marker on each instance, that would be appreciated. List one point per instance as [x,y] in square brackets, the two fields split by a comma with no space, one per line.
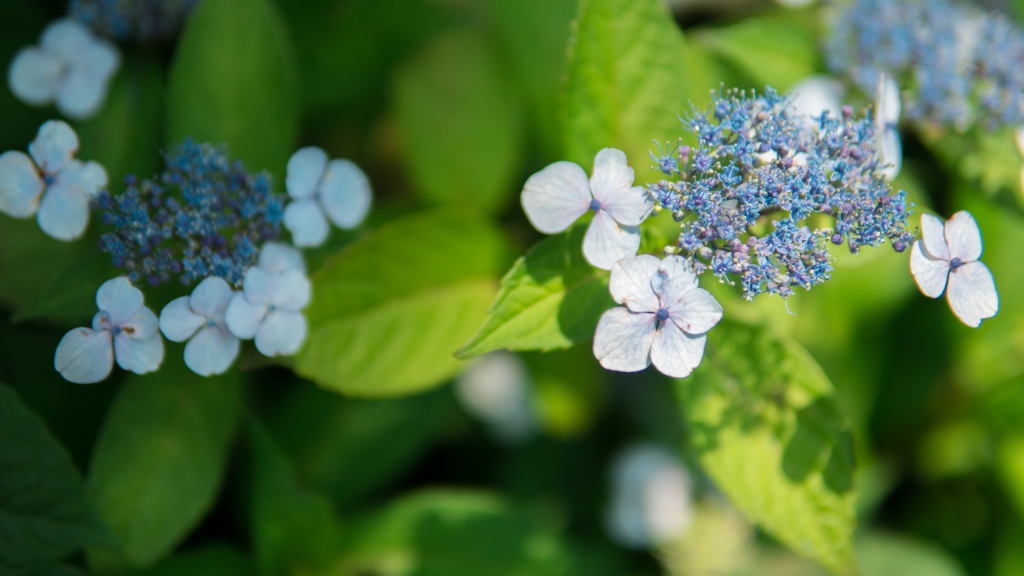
[748,193]
[204,215]
[956,63]
[132,19]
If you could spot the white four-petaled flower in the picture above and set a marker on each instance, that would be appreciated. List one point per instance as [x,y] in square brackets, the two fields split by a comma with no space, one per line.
[558,195]
[199,318]
[123,329]
[269,310]
[663,318]
[886,118]
[50,181]
[337,188]
[71,67]
[946,259]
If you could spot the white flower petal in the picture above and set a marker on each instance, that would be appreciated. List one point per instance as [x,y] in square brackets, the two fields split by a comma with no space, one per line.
[963,237]
[20,185]
[63,212]
[696,312]
[258,285]
[629,206]
[100,59]
[816,94]
[141,325]
[607,241]
[892,154]
[611,172]
[1019,137]
[119,299]
[178,321]
[139,356]
[82,94]
[35,75]
[211,351]
[67,37]
[929,273]
[305,169]
[623,340]
[89,177]
[292,291]
[888,101]
[345,194]
[306,222]
[84,356]
[281,333]
[211,297]
[673,278]
[242,317]
[675,353]
[971,293]
[54,147]
[933,235]
[556,197]
[630,283]
[278,257]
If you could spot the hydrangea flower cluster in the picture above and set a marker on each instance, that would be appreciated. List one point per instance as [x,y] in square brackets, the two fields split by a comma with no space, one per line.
[204,215]
[957,63]
[755,165]
[132,19]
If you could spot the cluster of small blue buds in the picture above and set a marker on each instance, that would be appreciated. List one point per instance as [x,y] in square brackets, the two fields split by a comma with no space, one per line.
[132,19]
[204,215]
[957,64]
[748,193]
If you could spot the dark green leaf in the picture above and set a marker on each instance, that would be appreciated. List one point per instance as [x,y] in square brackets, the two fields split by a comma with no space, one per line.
[69,296]
[43,514]
[29,258]
[389,309]
[210,560]
[233,81]
[160,459]
[551,298]
[763,421]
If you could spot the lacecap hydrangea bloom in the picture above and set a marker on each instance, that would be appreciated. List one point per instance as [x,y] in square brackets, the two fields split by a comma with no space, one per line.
[957,63]
[558,195]
[204,215]
[71,68]
[199,319]
[746,194]
[132,19]
[322,190]
[124,329]
[50,183]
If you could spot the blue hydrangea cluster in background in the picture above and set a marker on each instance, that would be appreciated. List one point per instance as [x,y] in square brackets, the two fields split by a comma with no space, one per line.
[132,19]
[957,64]
[204,215]
[746,193]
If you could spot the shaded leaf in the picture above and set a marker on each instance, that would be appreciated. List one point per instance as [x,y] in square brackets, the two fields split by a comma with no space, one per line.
[210,560]
[887,554]
[69,296]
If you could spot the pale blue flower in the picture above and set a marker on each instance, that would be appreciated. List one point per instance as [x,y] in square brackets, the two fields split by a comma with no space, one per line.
[124,329]
[199,318]
[50,183]
[497,390]
[663,317]
[650,499]
[280,257]
[558,195]
[269,309]
[71,67]
[946,259]
[322,190]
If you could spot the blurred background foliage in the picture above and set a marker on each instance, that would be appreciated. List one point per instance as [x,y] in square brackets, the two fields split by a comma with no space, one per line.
[908,439]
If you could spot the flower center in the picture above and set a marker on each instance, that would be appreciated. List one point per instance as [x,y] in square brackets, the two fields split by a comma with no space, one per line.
[211,322]
[595,204]
[271,308]
[662,314]
[49,179]
[115,330]
[955,263]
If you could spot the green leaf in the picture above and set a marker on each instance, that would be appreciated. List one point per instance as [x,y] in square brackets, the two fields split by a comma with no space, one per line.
[461,120]
[886,554]
[551,298]
[291,528]
[627,82]
[763,421]
[160,459]
[43,514]
[69,296]
[389,309]
[348,448]
[210,560]
[451,533]
[1009,467]
[233,81]
[777,49]
[28,258]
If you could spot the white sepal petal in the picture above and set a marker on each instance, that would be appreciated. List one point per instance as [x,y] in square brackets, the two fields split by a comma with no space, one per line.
[178,321]
[673,278]
[630,283]
[304,219]
[629,206]
[20,185]
[100,58]
[556,197]
[64,212]
[211,297]
[67,37]
[622,341]
[929,273]
[84,356]
[892,154]
[933,235]
[141,325]
[139,356]
[963,237]
[814,95]
[345,194]
[279,257]
[305,169]
[292,291]
[242,317]
[119,299]
[81,95]
[211,351]
[607,241]
[35,75]
[971,293]
[611,172]
[281,333]
[54,147]
[259,286]
[696,311]
[89,177]
[675,353]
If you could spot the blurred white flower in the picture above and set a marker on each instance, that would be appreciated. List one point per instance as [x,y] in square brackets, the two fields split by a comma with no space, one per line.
[50,181]
[199,318]
[496,389]
[650,497]
[71,67]
[816,94]
[280,257]
[887,116]
[269,309]
[123,329]
[558,195]
[337,189]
